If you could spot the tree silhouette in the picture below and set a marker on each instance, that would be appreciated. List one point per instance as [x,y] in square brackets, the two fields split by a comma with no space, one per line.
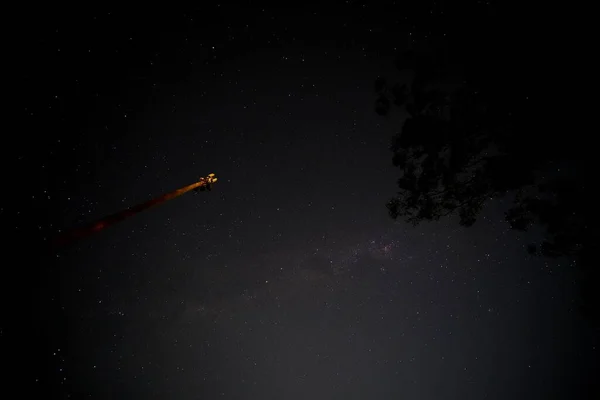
[469,136]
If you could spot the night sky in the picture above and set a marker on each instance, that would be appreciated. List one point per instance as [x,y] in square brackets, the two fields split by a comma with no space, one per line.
[288,280]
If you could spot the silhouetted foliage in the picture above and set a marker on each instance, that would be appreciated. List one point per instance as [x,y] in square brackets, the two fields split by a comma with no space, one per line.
[469,137]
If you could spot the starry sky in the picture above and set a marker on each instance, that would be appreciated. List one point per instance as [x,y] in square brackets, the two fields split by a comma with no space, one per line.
[288,280]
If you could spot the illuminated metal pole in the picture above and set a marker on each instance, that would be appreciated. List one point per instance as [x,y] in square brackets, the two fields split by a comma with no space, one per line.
[78,233]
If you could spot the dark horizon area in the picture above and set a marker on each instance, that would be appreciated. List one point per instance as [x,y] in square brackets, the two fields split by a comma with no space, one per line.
[300,274]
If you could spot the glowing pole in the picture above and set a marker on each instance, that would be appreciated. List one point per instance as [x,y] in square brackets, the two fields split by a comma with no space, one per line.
[70,236]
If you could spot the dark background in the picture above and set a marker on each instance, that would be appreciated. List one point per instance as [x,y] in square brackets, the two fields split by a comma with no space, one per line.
[288,280]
